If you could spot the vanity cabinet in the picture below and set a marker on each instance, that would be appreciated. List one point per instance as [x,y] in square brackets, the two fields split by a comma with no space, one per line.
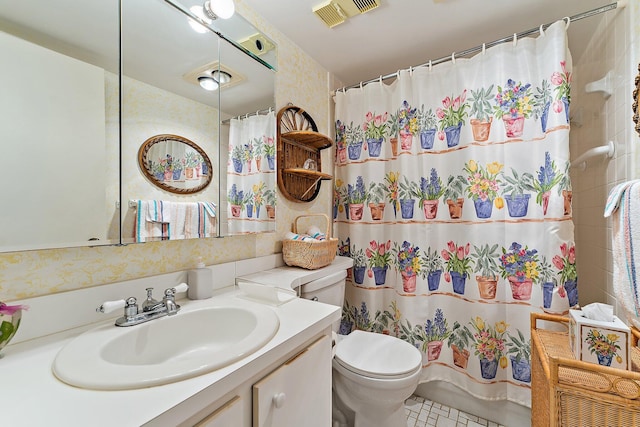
[229,414]
[293,391]
[298,393]
[299,142]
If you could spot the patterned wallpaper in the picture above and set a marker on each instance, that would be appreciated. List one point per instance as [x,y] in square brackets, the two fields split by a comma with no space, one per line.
[33,273]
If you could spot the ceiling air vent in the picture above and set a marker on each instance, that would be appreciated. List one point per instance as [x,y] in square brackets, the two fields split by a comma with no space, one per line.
[330,13]
[335,12]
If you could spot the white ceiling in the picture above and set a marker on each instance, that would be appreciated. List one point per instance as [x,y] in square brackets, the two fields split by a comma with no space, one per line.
[404,33]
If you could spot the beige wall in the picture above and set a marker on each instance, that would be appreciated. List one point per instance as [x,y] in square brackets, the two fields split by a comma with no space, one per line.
[596,120]
[32,273]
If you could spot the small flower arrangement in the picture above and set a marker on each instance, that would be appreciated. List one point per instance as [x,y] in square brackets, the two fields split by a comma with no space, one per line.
[270,197]
[392,124]
[408,189]
[519,262]
[514,100]
[566,263]
[392,188]
[358,193]
[407,119]
[431,189]
[375,126]
[376,192]
[605,346]
[268,146]
[407,258]
[517,184]
[455,187]
[235,197]
[378,254]
[248,152]
[340,193]
[489,340]
[191,158]
[353,135]
[480,103]
[547,178]
[454,111]
[519,348]
[485,259]
[431,261]
[426,119]
[341,134]
[359,259]
[541,98]
[436,329]
[483,182]
[457,259]
[258,193]
[344,248]
[562,83]
[460,337]
[237,153]
[546,272]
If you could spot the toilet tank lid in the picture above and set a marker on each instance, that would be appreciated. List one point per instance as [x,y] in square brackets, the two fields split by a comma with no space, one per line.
[294,277]
[377,355]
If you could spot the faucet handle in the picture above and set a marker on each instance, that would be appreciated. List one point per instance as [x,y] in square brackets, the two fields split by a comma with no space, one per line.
[182,287]
[109,306]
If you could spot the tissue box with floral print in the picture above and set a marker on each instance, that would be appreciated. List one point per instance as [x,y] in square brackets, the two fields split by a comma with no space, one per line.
[601,342]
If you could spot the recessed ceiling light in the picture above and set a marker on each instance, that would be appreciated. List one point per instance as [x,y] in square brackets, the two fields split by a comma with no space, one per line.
[208,83]
[197,26]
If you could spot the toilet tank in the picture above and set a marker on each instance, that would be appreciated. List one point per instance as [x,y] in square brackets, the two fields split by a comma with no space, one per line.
[329,289]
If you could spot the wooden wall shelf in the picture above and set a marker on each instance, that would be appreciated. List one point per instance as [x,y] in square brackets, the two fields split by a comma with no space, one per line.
[297,141]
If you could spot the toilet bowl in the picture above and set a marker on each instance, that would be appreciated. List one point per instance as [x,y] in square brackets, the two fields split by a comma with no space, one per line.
[373,374]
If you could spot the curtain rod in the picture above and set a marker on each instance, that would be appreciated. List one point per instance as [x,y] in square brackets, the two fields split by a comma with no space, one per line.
[619,4]
[266,110]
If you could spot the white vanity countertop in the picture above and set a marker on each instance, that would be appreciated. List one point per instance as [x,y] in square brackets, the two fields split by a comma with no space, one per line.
[32,395]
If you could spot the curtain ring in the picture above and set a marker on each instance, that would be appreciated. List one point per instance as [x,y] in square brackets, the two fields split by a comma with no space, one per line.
[453,57]
[360,85]
[568,22]
[410,71]
[380,80]
[257,112]
[246,116]
[484,48]
[515,39]
[542,29]
[430,65]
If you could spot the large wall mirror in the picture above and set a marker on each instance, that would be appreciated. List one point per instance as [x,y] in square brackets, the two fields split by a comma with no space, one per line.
[61,112]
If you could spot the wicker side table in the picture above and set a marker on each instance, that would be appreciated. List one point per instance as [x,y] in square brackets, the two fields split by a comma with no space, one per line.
[571,393]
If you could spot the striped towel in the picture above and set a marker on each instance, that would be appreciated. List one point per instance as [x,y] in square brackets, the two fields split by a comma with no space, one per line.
[623,205]
[152,220]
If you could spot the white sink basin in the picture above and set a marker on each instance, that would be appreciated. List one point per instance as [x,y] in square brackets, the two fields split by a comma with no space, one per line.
[165,350]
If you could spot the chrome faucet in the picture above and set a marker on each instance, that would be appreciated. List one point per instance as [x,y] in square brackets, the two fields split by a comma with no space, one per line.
[151,308]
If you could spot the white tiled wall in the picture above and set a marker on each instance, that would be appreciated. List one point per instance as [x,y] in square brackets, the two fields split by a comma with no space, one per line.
[595,121]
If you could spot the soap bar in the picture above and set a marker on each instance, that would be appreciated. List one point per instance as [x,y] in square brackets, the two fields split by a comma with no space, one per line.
[200,282]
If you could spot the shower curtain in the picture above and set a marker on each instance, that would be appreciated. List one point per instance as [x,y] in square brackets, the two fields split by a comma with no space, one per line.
[452,196]
[251,179]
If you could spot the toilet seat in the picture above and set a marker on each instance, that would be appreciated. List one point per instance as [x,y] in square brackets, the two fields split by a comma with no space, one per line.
[377,356]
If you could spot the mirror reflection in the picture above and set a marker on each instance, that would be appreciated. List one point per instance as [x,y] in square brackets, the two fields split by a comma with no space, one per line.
[59,109]
[162,58]
[175,164]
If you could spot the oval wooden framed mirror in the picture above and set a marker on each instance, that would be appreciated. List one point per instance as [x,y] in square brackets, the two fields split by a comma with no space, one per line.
[175,164]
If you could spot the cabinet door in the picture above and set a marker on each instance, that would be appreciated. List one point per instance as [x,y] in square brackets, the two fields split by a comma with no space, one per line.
[298,393]
[229,414]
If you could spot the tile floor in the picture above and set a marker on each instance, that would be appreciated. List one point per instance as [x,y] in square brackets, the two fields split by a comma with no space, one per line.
[422,413]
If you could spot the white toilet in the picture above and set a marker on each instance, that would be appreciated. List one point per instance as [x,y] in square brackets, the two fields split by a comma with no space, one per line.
[373,374]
